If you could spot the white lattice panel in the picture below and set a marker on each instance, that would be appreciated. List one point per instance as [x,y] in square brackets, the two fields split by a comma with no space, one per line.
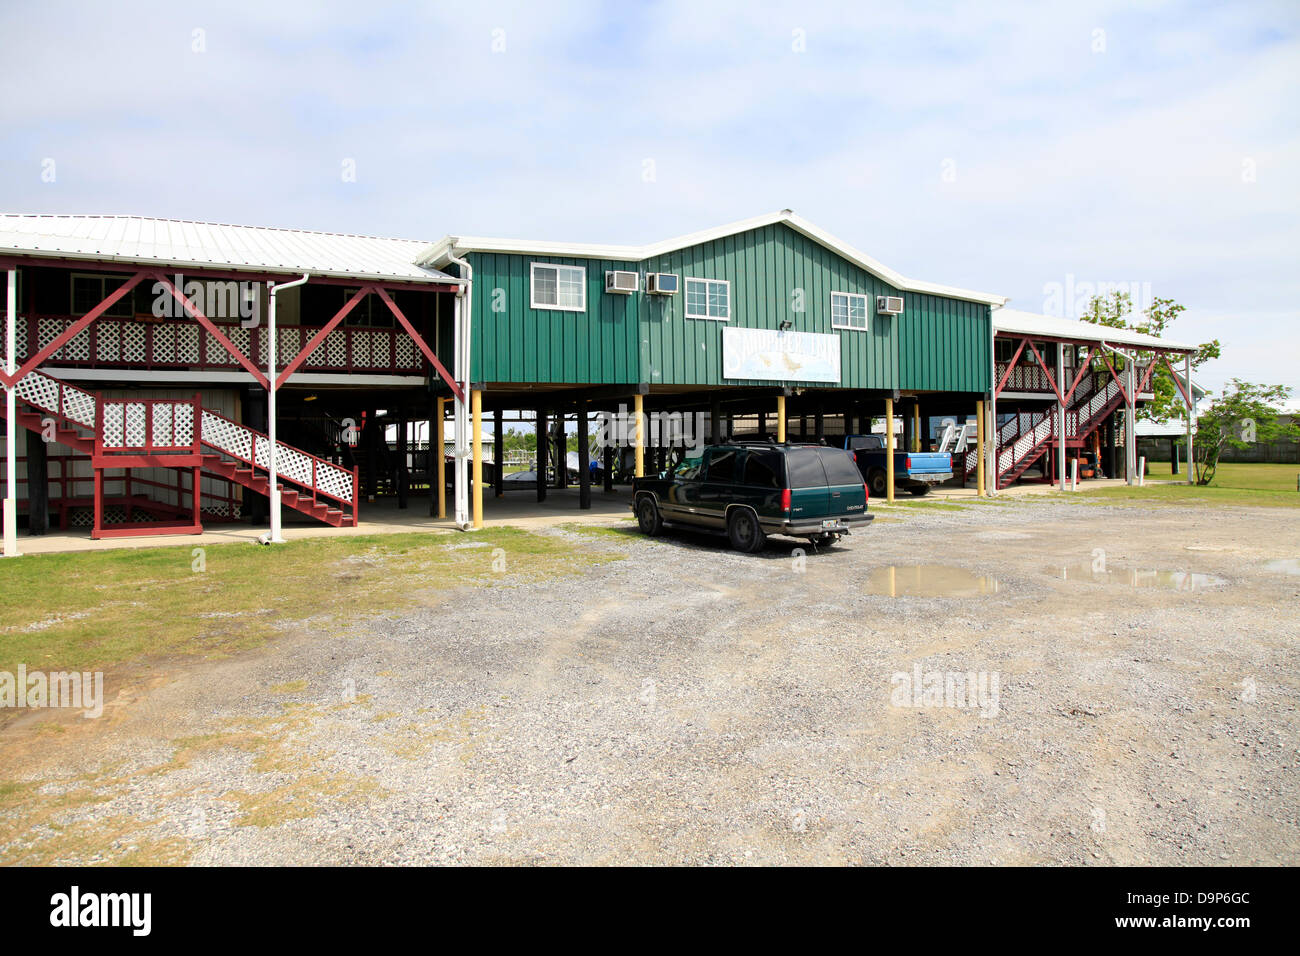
[20,339]
[336,349]
[214,352]
[226,436]
[108,342]
[79,406]
[78,347]
[47,330]
[133,426]
[133,338]
[287,344]
[163,351]
[407,355]
[240,338]
[380,349]
[162,426]
[111,435]
[39,390]
[360,348]
[183,424]
[334,480]
[187,344]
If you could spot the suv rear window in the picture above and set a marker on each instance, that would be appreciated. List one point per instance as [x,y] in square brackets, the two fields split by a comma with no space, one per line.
[840,469]
[763,469]
[722,466]
[805,468]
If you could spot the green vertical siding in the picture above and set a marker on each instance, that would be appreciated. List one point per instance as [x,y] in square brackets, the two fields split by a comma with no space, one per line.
[775,273]
[513,342]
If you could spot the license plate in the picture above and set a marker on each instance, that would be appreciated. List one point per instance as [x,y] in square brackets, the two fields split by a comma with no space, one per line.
[830,523]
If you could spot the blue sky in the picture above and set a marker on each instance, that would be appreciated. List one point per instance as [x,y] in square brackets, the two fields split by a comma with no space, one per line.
[1003,147]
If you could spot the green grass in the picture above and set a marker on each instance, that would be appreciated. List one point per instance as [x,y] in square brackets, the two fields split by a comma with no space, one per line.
[1235,483]
[93,610]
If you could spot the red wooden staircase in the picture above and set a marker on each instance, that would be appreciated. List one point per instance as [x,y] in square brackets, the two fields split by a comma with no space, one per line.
[1024,439]
[123,433]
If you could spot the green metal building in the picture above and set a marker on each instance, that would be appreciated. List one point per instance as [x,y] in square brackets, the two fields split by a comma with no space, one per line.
[775,287]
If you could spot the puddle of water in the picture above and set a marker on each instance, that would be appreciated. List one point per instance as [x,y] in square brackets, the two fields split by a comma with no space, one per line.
[928,580]
[1134,578]
[1284,566]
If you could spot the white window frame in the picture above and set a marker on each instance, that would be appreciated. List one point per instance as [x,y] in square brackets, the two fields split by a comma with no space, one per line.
[866,309]
[532,287]
[686,298]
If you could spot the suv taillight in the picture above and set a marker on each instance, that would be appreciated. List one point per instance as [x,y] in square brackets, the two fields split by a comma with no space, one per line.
[908,463]
[785,500]
[866,492]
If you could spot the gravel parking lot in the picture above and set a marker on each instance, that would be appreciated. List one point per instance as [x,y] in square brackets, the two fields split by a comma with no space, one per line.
[686,704]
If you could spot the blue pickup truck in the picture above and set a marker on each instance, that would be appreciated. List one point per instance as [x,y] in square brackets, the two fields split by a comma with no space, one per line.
[915,471]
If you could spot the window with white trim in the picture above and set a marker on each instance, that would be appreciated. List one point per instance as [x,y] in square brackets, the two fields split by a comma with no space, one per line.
[91,288]
[559,287]
[848,311]
[708,299]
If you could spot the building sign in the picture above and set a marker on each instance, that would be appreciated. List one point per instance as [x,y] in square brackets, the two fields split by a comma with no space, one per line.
[774,356]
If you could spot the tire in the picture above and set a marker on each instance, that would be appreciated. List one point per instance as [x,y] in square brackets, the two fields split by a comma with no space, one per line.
[744,532]
[648,518]
[919,490]
[878,483]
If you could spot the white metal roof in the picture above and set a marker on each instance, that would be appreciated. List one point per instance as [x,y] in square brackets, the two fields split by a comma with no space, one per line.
[1014,322]
[178,243]
[438,254]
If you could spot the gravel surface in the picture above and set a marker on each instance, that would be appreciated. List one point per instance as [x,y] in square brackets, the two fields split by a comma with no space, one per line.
[687,704]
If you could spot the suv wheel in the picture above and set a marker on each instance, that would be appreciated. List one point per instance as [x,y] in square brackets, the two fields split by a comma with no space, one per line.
[919,491]
[744,531]
[648,518]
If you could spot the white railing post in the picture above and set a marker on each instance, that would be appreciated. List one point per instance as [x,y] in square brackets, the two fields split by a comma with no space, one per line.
[11,430]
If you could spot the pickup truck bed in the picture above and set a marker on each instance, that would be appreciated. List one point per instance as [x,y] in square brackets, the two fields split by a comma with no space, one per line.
[915,472]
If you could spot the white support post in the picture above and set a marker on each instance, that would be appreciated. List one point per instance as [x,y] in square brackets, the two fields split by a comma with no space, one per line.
[1074,474]
[11,429]
[1130,419]
[1060,418]
[1142,471]
[991,440]
[460,415]
[1191,412]
[273,489]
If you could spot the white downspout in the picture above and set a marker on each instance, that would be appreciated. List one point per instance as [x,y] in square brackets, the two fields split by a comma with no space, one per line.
[273,491]
[991,468]
[11,430]
[464,321]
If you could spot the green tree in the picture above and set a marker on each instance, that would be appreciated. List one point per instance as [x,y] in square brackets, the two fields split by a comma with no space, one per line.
[1246,413]
[1115,310]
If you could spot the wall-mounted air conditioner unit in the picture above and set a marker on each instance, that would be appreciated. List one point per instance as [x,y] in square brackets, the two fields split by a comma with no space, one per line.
[889,304]
[661,283]
[624,282]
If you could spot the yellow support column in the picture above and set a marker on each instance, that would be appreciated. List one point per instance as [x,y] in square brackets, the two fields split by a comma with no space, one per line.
[476,406]
[979,450]
[780,418]
[638,408]
[889,450]
[436,448]
[916,426]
